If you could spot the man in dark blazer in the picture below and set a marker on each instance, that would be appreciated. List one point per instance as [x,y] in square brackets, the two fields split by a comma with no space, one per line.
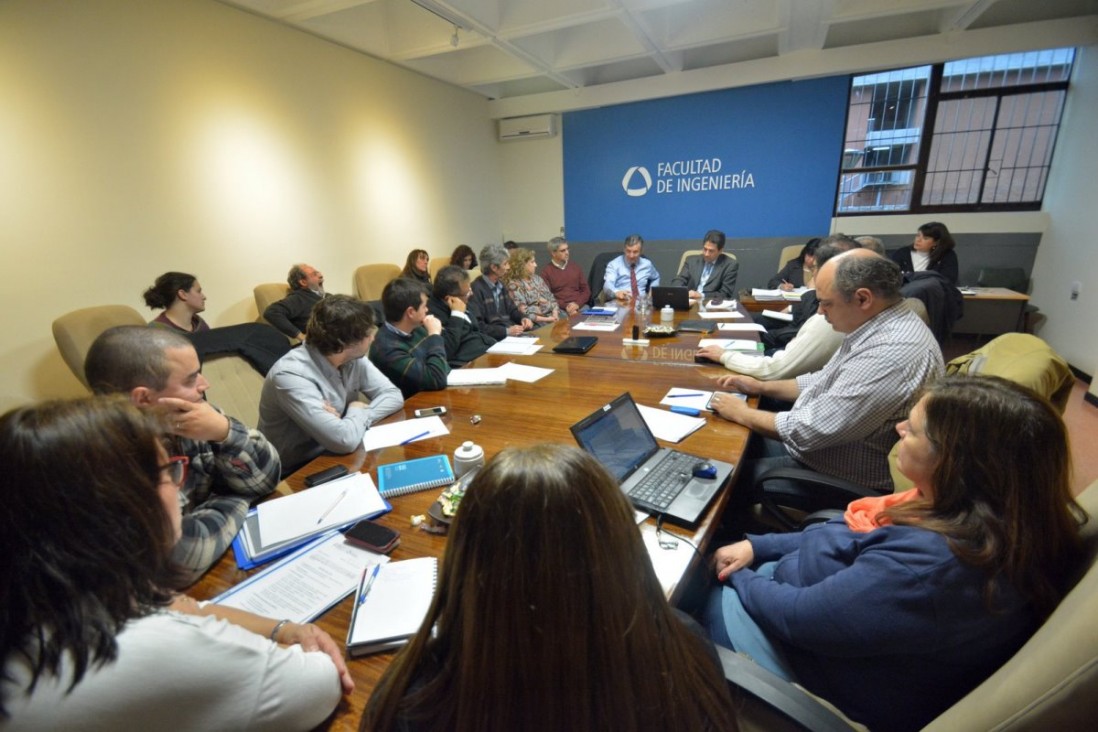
[713,274]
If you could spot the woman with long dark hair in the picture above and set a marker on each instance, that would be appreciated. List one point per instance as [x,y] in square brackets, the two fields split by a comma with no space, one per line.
[416,266]
[911,600]
[92,636]
[548,616]
[931,251]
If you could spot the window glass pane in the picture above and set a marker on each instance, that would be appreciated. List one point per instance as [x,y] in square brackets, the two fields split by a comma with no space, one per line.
[886,118]
[882,191]
[1007,70]
[958,151]
[1022,148]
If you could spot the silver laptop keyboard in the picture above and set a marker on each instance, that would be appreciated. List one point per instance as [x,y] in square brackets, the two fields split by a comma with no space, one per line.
[664,482]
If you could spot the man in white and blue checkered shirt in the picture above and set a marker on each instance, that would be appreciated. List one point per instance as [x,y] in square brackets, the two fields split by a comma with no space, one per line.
[842,422]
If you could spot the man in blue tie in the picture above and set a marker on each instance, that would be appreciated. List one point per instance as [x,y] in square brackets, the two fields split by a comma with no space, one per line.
[713,274]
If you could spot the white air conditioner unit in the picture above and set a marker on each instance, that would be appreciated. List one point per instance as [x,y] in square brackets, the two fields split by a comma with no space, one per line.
[526,128]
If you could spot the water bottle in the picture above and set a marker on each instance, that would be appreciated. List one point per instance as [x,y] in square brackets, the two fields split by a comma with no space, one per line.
[469,456]
[667,315]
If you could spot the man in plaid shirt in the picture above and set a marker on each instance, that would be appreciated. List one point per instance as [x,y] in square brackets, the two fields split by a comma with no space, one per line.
[843,418]
[230,466]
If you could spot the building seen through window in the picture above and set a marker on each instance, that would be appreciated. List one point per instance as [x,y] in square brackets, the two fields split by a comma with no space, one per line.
[968,135]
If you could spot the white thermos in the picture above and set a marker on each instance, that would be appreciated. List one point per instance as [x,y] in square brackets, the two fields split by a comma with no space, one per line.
[470,456]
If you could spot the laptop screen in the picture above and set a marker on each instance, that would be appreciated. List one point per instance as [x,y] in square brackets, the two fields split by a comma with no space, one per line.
[617,436]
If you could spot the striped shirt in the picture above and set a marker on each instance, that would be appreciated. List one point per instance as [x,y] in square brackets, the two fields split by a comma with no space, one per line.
[843,422]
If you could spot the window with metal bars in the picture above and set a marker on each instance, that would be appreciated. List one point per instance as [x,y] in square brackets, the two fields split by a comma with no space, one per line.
[969,135]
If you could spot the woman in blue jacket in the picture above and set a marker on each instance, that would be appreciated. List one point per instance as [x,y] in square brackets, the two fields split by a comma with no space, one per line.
[908,602]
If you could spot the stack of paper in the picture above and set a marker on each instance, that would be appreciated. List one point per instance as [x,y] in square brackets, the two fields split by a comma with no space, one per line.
[279,526]
[517,345]
[669,426]
[763,295]
[401,433]
[475,377]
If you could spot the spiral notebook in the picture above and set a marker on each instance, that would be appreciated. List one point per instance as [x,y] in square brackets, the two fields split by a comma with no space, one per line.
[391,602]
[396,479]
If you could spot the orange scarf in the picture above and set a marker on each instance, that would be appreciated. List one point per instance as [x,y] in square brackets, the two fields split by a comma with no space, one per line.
[861,515]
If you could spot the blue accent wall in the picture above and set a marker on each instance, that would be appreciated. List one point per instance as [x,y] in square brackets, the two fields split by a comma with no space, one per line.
[753,162]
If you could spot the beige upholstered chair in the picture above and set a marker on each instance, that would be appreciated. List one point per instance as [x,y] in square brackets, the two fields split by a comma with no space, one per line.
[789,253]
[436,264]
[75,332]
[266,294]
[235,387]
[1049,684]
[370,280]
[692,252]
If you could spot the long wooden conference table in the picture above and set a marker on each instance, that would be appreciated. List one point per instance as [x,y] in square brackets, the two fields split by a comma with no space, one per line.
[518,414]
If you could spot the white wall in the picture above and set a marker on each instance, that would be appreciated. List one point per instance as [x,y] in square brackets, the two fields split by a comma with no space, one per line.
[1069,251]
[138,136]
[533,197]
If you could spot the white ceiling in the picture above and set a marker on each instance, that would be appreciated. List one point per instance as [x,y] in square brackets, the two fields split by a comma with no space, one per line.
[504,49]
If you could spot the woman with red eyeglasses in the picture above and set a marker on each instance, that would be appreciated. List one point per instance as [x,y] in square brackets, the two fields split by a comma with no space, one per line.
[91,634]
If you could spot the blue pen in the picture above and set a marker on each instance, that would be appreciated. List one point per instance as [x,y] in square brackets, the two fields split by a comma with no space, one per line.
[686,410]
[413,439]
[679,396]
[369,584]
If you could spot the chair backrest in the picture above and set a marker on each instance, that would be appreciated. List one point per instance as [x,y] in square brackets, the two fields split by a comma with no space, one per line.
[235,386]
[788,254]
[682,259]
[370,279]
[1024,359]
[268,293]
[1051,683]
[598,274]
[1012,278]
[435,264]
[75,332]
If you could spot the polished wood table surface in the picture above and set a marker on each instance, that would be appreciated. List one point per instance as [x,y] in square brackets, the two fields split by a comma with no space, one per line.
[676,349]
[517,413]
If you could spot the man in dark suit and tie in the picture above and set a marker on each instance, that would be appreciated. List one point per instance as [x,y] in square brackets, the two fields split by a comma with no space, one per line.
[713,274]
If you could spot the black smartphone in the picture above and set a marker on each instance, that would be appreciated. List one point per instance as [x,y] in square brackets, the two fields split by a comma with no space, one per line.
[336,471]
[430,411]
[375,537]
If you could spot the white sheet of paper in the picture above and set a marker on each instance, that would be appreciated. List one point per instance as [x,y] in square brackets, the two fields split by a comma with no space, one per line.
[474,377]
[742,327]
[670,564]
[522,372]
[778,315]
[721,315]
[605,327]
[315,509]
[518,345]
[679,397]
[303,585]
[668,426]
[397,433]
[745,345]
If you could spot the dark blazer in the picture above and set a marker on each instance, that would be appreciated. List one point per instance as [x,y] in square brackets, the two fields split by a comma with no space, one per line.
[947,267]
[291,314]
[494,321]
[792,272]
[722,283]
[464,340]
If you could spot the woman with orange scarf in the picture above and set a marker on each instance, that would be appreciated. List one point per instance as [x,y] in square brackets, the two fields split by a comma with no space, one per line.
[901,607]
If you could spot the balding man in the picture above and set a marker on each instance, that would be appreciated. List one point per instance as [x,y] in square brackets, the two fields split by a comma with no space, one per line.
[843,416]
[291,314]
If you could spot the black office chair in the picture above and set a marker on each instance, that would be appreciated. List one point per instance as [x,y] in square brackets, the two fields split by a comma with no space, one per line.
[598,273]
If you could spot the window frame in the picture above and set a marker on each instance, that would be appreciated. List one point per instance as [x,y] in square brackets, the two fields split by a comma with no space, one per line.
[934,96]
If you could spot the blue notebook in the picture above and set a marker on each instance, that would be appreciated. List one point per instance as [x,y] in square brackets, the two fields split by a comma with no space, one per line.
[396,479]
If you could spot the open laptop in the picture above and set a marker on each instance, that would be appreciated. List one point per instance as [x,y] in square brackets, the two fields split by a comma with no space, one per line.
[677,297]
[617,437]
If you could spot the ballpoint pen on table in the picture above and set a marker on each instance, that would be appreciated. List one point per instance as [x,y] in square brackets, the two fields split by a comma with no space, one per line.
[679,396]
[415,437]
[332,507]
[369,584]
